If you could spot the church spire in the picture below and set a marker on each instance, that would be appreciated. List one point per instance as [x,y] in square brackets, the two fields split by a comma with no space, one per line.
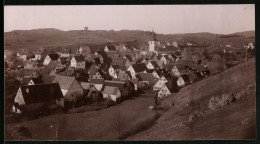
[153,36]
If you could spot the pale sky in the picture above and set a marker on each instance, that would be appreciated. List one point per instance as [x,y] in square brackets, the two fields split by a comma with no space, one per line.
[164,19]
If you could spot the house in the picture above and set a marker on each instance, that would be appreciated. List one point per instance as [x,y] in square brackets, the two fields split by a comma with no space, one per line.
[146,79]
[164,91]
[35,81]
[25,54]
[158,85]
[110,48]
[112,93]
[119,84]
[47,79]
[40,54]
[35,94]
[51,57]
[55,66]
[84,50]
[113,69]
[78,62]
[175,44]
[183,80]
[86,87]
[137,68]
[65,52]
[29,64]
[70,87]
[152,65]
[29,73]
[97,83]
[135,82]
[123,75]
[186,62]
[154,72]
[163,59]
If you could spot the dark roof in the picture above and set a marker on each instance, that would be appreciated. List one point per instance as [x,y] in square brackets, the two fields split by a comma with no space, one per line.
[41,93]
[111,47]
[115,66]
[37,80]
[96,81]
[129,57]
[154,63]
[53,56]
[186,78]
[153,37]
[119,84]
[139,67]
[146,77]
[79,58]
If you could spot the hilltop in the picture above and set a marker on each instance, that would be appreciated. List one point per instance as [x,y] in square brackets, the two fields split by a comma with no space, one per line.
[35,38]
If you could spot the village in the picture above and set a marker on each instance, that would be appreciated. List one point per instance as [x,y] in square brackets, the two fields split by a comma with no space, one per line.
[68,77]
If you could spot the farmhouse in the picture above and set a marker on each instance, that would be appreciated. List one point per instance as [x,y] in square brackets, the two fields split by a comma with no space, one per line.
[97,83]
[51,57]
[164,91]
[70,87]
[35,94]
[113,70]
[78,62]
[137,68]
[112,93]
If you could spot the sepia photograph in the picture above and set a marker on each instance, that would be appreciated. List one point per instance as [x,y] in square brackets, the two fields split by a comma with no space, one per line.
[129,72]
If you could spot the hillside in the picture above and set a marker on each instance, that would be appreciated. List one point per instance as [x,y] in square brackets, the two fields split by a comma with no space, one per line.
[232,121]
[35,38]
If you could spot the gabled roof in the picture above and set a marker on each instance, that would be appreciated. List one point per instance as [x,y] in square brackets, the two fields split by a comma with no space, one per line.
[186,78]
[52,65]
[139,67]
[25,81]
[47,78]
[64,81]
[53,56]
[121,74]
[41,93]
[79,58]
[115,66]
[96,81]
[129,57]
[37,80]
[110,90]
[119,84]
[111,47]
[146,77]
[154,63]
[85,85]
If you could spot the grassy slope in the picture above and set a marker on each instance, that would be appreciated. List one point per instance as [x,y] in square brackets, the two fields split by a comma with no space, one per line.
[97,125]
[223,124]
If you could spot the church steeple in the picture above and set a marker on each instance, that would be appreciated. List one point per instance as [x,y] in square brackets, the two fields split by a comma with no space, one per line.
[153,36]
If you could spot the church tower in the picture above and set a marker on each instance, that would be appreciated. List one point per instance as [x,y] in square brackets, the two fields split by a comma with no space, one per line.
[152,43]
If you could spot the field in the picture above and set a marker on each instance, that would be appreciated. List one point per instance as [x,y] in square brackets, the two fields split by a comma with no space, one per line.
[221,124]
[129,116]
